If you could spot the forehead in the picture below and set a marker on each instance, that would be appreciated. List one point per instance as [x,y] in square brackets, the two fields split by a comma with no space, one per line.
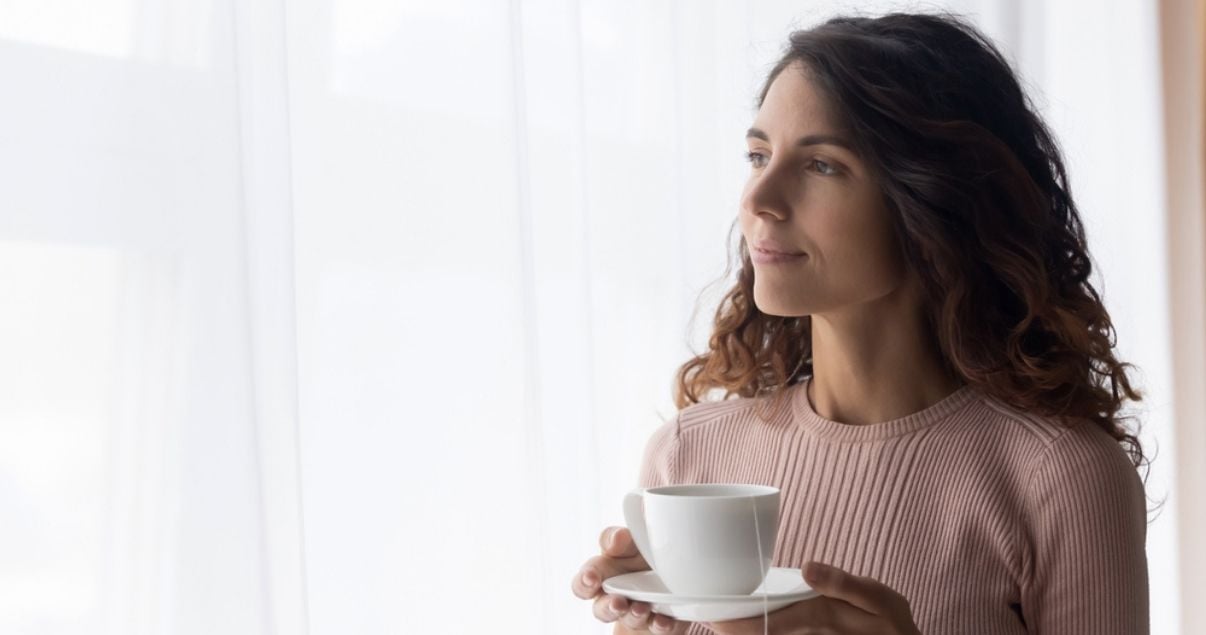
[793,103]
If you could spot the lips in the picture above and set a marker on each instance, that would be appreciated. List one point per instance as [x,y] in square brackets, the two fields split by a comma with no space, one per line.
[774,247]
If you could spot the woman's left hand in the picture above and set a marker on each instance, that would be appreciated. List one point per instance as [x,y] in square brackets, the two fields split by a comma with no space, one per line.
[849,604]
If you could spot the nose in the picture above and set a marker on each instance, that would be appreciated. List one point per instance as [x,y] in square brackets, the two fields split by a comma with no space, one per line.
[769,192]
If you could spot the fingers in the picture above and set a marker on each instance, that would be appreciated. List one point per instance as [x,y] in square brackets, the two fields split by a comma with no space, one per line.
[637,617]
[588,582]
[617,543]
[820,613]
[865,593]
[609,608]
[641,618]
[666,625]
[620,556]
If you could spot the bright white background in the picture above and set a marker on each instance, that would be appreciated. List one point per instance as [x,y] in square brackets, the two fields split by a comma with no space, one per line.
[353,316]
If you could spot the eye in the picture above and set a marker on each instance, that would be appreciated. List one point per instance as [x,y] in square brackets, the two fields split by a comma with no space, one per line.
[829,170]
[826,168]
[754,157]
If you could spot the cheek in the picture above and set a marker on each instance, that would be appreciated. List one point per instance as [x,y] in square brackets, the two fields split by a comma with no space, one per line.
[862,249]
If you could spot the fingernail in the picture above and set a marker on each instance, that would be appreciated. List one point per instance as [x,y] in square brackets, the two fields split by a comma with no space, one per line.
[638,611]
[611,538]
[616,607]
[590,578]
[816,573]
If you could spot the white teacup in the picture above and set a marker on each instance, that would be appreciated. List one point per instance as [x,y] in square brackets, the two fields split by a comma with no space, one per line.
[705,539]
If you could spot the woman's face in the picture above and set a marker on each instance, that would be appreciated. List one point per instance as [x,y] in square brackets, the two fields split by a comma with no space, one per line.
[813,195]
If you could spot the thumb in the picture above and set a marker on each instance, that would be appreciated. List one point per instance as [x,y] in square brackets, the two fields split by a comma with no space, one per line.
[864,593]
[618,543]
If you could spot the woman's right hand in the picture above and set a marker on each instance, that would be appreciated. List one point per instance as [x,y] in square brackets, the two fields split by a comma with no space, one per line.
[619,555]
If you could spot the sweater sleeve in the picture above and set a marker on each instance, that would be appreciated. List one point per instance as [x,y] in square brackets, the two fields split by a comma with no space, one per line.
[657,465]
[1084,561]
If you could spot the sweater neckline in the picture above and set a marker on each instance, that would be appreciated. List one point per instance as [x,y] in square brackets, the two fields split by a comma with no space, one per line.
[937,412]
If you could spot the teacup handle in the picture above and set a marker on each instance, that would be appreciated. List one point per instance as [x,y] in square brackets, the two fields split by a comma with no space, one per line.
[634,517]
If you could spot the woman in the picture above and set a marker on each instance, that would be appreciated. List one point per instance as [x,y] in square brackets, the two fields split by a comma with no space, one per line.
[922,368]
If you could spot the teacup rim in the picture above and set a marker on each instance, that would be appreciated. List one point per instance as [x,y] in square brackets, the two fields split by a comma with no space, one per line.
[750,490]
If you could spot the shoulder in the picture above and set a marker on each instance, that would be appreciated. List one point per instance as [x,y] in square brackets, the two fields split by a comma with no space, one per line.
[1082,480]
[1085,462]
[672,452]
[1057,446]
[707,413]
[1047,444]
[1043,458]
[1026,428]
[704,414]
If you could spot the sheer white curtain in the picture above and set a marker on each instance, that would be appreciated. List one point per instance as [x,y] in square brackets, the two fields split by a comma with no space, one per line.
[338,316]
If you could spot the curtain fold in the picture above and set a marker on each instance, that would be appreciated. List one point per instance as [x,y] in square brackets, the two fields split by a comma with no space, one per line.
[1181,35]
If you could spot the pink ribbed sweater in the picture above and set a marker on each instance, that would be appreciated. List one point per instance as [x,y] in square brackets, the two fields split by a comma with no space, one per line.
[989,520]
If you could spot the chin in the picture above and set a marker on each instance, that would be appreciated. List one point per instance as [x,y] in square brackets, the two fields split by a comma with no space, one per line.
[779,309]
[784,313]
[779,304]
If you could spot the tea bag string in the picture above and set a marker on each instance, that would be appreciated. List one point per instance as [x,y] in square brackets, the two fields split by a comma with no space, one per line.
[758,539]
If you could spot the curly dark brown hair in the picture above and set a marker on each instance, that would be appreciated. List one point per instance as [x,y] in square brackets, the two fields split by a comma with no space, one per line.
[983,212]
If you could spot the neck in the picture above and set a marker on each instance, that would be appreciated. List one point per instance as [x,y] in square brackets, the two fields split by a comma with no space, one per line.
[875,364]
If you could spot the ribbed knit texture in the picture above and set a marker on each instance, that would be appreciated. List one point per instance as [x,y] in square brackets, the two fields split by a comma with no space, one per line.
[987,519]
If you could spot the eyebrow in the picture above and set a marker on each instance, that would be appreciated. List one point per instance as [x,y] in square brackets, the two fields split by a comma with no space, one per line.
[807,140]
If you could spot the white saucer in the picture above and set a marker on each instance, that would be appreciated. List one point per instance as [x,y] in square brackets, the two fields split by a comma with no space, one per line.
[783,587]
